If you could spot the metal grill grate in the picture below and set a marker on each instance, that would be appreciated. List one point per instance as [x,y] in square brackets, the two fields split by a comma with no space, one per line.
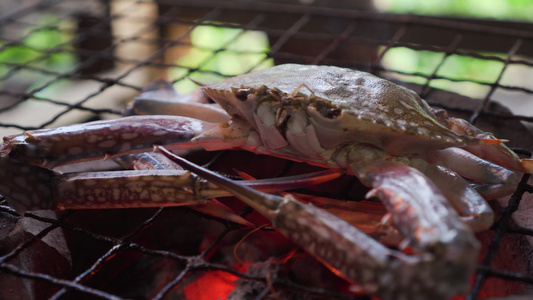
[64,62]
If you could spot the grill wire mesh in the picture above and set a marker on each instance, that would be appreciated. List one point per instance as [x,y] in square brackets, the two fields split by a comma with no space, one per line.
[103,54]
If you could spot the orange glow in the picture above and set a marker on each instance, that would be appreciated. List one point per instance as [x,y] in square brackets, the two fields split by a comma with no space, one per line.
[211,285]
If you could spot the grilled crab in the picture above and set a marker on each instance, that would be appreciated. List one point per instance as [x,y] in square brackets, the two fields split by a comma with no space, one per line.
[413,158]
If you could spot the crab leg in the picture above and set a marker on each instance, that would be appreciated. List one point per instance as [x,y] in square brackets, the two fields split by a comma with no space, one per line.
[212,207]
[156,161]
[497,153]
[115,189]
[31,187]
[473,208]
[145,161]
[201,111]
[154,188]
[492,180]
[160,98]
[25,159]
[449,246]
[57,146]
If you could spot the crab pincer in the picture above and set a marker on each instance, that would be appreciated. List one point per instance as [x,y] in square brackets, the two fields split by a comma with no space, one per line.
[349,253]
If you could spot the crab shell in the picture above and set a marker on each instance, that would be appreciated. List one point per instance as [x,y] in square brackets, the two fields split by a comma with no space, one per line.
[289,103]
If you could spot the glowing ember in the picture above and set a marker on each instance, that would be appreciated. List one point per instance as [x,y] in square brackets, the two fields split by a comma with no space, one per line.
[212,284]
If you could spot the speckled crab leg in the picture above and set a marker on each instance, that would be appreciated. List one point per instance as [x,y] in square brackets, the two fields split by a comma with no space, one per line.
[448,248]
[186,182]
[154,160]
[81,142]
[27,182]
[30,187]
[154,188]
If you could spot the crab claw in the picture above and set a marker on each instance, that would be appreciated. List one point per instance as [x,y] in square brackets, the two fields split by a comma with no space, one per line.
[423,214]
[447,246]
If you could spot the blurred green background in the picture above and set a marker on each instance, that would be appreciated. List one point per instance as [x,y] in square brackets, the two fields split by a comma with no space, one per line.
[216,51]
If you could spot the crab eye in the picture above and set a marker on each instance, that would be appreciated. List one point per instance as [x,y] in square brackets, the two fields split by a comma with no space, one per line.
[326,109]
[333,113]
[242,94]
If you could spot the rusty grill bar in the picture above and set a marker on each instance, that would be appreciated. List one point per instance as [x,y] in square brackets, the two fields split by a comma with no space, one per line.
[297,34]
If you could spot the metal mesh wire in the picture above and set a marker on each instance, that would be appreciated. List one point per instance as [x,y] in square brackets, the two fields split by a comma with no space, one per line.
[65,62]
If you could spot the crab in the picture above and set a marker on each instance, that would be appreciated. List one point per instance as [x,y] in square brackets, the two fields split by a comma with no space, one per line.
[432,172]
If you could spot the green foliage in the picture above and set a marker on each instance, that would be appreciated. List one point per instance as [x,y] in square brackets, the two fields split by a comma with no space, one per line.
[497,9]
[45,46]
[458,70]
[474,69]
[221,50]
[455,67]
[418,65]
